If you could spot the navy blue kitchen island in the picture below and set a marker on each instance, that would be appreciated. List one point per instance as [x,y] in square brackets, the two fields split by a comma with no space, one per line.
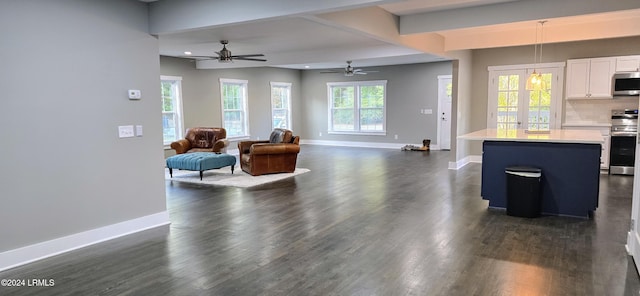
[570,163]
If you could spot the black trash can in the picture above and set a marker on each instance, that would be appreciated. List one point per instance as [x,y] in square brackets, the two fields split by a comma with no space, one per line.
[523,191]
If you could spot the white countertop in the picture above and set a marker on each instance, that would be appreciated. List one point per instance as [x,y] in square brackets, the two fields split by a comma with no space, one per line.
[594,124]
[554,136]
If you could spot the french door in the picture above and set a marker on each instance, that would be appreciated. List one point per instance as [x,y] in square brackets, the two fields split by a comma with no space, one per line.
[512,107]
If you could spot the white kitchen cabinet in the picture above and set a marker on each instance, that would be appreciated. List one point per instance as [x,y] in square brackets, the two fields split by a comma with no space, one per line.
[590,78]
[628,63]
[605,131]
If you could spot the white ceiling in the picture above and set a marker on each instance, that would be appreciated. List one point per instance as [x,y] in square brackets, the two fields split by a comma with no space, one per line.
[327,39]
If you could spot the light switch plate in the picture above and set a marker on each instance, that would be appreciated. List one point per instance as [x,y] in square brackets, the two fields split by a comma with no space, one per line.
[138,130]
[125,131]
[135,94]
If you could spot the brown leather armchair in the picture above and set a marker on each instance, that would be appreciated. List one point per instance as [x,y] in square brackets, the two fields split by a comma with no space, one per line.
[278,155]
[202,139]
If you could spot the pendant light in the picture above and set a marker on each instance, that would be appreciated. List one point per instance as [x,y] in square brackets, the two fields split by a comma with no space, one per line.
[535,80]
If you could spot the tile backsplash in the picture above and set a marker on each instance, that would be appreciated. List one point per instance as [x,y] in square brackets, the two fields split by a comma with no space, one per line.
[593,111]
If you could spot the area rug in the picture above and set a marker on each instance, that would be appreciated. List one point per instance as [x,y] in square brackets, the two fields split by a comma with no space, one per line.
[223,177]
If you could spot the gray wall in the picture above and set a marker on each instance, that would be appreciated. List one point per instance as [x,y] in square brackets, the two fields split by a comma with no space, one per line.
[409,89]
[201,95]
[461,108]
[559,52]
[66,69]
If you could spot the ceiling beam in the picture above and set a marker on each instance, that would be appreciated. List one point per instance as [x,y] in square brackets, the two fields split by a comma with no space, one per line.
[554,31]
[172,16]
[524,10]
[375,22]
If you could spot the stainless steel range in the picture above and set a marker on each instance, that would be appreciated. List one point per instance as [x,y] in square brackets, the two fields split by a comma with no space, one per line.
[624,129]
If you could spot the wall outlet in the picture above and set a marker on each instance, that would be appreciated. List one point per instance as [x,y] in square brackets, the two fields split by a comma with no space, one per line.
[428,111]
[320,134]
[395,136]
[257,138]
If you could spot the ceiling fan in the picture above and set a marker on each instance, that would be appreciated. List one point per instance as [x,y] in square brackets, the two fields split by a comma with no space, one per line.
[349,70]
[225,56]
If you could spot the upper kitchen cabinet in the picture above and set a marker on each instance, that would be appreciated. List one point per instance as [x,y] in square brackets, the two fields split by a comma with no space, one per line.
[628,64]
[590,78]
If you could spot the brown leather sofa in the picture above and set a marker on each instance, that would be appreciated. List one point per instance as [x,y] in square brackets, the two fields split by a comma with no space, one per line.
[278,155]
[202,139]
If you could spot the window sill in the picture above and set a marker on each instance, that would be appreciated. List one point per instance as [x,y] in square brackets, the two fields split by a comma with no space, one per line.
[383,133]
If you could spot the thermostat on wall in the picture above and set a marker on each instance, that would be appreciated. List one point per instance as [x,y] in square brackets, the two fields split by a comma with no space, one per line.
[134,94]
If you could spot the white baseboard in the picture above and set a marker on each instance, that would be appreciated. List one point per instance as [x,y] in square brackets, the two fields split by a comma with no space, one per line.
[632,246]
[362,144]
[234,151]
[633,243]
[456,165]
[16,257]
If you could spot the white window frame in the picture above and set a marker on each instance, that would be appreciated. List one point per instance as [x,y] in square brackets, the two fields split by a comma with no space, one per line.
[557,69]
[357,85]
[244,104]
[177,82]
[286,85]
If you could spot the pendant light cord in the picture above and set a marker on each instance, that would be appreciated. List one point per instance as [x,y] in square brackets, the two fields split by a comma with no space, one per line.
[541,38]
[535,51]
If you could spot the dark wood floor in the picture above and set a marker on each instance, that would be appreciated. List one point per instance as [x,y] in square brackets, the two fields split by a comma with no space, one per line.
[362,222]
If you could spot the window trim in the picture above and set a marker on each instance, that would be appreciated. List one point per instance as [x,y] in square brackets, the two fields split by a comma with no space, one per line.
[179,129]
[290,103]
[557,99]
[357,85]
[244,106]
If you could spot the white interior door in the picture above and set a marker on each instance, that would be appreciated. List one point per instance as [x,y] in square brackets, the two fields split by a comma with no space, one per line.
[444,112]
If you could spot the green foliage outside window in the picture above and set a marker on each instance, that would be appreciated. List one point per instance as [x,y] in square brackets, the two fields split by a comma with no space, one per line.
[357,107]
[167,97]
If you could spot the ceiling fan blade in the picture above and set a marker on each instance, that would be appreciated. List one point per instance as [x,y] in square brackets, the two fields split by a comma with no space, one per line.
[247,55]
[249,59]
[360,73]
[202,57]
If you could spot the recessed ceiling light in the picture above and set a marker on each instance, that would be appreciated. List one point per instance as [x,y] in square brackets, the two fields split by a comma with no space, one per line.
[187,52]
[307,67]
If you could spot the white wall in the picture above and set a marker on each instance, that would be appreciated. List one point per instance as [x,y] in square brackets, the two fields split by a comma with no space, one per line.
[66,68]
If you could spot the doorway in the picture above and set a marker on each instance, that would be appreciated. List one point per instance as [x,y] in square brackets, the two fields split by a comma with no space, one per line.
[444,112]
[511,106]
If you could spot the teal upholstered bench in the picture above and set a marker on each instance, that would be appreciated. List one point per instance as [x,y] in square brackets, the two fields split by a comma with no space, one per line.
[200,161]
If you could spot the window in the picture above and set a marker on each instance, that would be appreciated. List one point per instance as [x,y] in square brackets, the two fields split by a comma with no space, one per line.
[234,107]
[513,107]
[357,107]
[171,88]
[281,105]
